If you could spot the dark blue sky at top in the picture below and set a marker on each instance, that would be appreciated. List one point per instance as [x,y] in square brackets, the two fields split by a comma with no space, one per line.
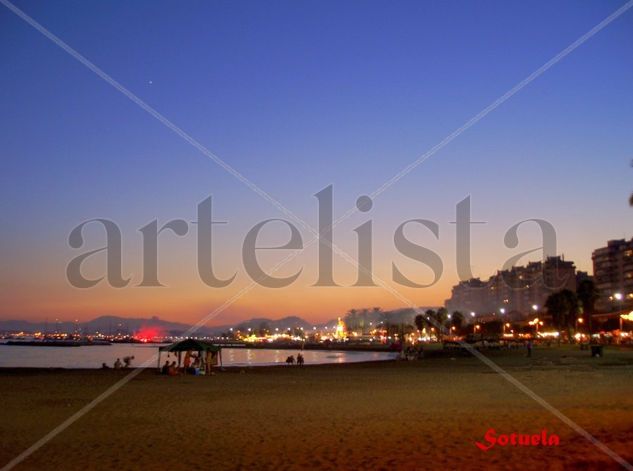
[298,95]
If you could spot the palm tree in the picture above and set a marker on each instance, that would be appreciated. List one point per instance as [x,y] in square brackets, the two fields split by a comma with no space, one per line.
[429,318]
[563,307]
[457,320]
[587,294]
[440,318]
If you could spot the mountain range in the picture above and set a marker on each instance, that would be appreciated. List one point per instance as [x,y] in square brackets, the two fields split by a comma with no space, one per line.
[125,325]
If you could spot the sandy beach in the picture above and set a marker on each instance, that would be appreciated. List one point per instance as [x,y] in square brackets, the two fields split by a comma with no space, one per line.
[390,415]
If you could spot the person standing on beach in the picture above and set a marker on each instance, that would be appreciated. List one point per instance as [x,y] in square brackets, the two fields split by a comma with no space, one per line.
[529,348]
[300,359]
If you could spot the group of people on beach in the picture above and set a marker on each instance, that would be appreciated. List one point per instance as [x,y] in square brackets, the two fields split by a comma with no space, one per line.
[413,353]
[127,362]
[169,369]
[192,364]
[291,360]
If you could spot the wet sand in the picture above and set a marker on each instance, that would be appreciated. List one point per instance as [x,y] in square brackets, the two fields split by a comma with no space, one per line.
[389,415]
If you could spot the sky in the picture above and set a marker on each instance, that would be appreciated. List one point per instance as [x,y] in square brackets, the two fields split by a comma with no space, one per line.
[297,96]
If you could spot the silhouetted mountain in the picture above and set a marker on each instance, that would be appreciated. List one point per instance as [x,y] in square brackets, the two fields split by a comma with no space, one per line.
[16,325]
[127,325]
[103,324]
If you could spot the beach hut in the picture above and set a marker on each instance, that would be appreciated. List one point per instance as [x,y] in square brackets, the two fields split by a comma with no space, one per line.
[209,355]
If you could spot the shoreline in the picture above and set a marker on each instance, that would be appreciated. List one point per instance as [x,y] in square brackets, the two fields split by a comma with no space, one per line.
[146,355]
[544,356]
[237,345]
[35,369]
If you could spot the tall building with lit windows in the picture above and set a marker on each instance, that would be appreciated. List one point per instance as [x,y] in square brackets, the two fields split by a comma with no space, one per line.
[518,293]
[613,275]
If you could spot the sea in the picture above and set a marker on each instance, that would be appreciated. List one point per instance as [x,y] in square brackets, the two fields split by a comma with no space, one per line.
[145,355]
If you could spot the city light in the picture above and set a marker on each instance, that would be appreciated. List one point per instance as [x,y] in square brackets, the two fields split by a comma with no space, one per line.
[627,317]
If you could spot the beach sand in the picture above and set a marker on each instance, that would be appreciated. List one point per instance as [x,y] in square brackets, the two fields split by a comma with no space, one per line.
[392,415]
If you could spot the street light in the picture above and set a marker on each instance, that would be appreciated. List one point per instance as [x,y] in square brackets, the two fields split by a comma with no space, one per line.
[502,310]
[478,329]
[536,323]
[618,297]
[625,317]
[579,321]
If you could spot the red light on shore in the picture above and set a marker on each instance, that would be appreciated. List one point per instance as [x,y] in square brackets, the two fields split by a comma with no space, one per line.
[148,334]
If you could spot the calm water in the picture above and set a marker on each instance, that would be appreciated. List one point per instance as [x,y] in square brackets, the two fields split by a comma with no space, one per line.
[94,356]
